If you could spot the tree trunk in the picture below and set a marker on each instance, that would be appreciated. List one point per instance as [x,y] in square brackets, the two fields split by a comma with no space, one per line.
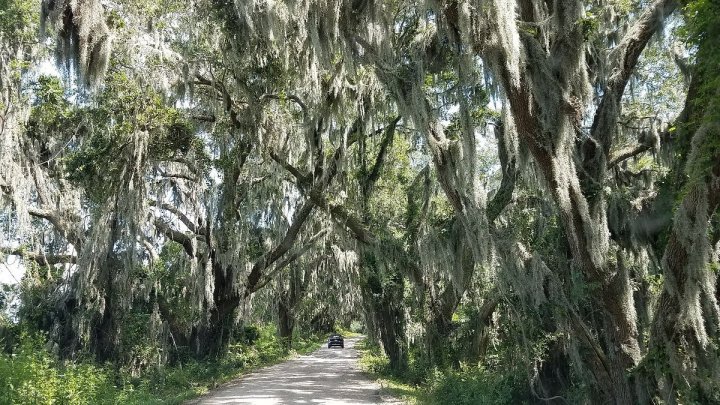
[685,326]
[482,320]
[554,375]
[213,337]
[437,338]
[621,339]
[104,332]
[286,323]
[385,293]
[391,319]
[286,320]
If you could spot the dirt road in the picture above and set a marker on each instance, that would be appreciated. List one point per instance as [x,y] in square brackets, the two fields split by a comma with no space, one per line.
[327,376]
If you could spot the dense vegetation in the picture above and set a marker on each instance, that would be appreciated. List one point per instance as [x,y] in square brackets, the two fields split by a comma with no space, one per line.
[516,201]
[31,374]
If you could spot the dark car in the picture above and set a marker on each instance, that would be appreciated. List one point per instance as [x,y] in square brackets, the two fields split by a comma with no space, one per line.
[336,340]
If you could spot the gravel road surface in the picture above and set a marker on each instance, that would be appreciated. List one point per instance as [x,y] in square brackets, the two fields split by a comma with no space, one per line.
[327,376]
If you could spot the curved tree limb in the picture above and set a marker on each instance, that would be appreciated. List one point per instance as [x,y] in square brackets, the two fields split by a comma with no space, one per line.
[624,59]
[627,154]
[301,215]
[176,236]
[287,261]
[189,223]
[372,177]
[508,163]
[40,258]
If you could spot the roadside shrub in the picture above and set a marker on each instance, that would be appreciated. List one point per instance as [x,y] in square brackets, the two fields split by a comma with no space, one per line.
[357,327]
[248,335]
[373,360]
[475,385]
[269,346]
[32,375]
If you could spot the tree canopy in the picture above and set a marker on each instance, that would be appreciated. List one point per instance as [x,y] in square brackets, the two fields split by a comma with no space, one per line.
[527,187]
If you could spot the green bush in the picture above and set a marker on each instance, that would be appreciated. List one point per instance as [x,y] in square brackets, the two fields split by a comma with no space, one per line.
[32,375]
[476,386]
[373,360]
[423,382]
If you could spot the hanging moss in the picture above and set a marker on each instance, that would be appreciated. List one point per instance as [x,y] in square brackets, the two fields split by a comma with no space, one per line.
[109,145]
[83,37]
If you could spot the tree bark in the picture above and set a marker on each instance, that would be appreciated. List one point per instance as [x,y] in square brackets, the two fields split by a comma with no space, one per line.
[581,209]
[687,320]
[286,321]
[390,318]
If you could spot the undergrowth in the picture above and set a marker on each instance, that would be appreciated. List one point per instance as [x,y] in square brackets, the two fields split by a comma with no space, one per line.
[31,374]
[378,365]
[459,385]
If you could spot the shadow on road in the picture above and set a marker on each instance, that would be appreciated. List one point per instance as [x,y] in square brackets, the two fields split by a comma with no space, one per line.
[327,376]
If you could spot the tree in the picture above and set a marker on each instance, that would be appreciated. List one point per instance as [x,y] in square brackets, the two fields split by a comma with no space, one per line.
[516,172]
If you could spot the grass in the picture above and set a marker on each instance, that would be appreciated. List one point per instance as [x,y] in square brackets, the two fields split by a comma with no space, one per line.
[407,393]
[374,363]
[461,385]
[32,375]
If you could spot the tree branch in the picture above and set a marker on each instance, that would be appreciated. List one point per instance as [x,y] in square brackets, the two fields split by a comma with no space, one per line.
[178,176]
[381,158]
[627,154]
[338,212]
[290,97]
[287,261]
[154,258]
[625,57]
[271,257]
[303,180]
[343,217]
[41,259]
[55,218]
[176,236]
[503,196]
[189,223]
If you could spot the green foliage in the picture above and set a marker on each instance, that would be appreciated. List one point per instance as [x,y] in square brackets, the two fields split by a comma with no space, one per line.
[51,115]
[32,375]
[128,126]
[475,385]
[355,329]
[373,362]
[702,29]
[589,25]
[36,286]
[423,383]
[18,19]
[372,359]
[389,199]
